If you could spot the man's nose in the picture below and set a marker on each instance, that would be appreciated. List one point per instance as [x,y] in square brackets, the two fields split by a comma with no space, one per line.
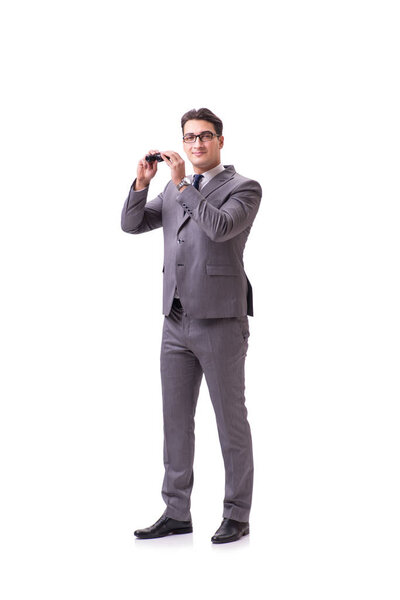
[198,143]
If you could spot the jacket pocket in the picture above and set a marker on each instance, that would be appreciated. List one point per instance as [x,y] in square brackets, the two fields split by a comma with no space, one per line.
[222,270]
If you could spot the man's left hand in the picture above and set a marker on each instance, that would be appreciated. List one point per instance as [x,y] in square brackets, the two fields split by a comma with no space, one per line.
[176,164]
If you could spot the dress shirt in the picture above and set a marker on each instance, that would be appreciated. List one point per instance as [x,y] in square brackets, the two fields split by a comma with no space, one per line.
[208,175]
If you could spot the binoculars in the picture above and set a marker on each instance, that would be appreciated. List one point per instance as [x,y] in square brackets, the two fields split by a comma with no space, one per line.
[153,157]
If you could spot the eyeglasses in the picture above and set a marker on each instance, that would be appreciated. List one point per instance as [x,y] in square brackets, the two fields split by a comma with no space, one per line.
[204,136]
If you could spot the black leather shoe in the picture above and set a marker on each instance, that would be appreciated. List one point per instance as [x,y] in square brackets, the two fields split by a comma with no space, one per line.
[230,531]
[164,526]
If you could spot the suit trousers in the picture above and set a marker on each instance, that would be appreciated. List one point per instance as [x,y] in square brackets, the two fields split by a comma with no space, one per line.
[216,347]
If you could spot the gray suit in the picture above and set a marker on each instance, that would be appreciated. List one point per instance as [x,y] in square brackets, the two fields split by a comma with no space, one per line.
[205,233]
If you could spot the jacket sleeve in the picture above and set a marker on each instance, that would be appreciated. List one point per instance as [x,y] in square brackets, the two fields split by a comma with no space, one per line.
[139,216]
[236,213]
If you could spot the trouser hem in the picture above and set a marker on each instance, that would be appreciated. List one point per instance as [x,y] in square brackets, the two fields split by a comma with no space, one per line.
[178,516]
[237,515]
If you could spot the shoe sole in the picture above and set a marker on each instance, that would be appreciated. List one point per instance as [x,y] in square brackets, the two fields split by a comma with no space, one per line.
[172,532]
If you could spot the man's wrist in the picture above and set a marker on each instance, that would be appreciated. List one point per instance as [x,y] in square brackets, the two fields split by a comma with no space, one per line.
[138,186]
[184,182]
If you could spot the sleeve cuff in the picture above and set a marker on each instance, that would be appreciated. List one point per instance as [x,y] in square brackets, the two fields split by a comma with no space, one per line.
[189,199]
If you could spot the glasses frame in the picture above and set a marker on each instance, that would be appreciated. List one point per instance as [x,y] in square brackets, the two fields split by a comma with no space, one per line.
[199,136]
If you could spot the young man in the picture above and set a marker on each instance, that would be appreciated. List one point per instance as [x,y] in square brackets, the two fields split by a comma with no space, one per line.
[206,219]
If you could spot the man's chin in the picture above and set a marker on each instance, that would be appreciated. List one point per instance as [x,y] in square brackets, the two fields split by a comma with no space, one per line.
[199,162]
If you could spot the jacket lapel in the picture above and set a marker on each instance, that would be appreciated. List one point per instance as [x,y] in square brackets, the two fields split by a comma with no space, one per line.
[215,183]
[208,192]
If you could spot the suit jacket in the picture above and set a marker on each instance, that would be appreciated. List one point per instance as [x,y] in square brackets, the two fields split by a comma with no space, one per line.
[205,233]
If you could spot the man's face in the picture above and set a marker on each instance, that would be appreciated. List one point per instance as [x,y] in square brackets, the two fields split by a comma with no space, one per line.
[203,155]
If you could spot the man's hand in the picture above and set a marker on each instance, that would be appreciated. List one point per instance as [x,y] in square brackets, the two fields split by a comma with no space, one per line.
[176,164]
[145,172]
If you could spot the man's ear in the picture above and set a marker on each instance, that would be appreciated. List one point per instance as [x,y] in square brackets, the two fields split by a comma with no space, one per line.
[221,141]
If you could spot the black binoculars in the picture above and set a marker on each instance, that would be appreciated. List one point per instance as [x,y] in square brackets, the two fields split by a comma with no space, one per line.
[153,157]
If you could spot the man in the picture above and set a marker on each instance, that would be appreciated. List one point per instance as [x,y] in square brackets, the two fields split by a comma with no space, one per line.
[206,219]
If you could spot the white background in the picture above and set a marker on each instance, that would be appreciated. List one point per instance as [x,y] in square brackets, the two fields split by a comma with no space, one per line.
[309,95]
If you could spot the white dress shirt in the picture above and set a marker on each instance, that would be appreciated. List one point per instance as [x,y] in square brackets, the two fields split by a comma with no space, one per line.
[208,175]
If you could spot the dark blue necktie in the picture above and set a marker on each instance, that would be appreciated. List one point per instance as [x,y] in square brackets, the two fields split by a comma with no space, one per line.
[196,180]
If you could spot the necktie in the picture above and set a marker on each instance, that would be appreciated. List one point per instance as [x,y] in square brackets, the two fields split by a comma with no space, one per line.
[196,180]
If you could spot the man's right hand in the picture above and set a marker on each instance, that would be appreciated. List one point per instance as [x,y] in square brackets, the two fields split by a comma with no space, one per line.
[145,172]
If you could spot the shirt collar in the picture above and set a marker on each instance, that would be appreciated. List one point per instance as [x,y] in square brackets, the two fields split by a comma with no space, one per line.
[208,175]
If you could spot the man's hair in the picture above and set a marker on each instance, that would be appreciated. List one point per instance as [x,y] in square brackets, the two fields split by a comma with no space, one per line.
[203,114]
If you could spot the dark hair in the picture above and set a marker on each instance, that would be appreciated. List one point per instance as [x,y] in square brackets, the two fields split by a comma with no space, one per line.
[203,114]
